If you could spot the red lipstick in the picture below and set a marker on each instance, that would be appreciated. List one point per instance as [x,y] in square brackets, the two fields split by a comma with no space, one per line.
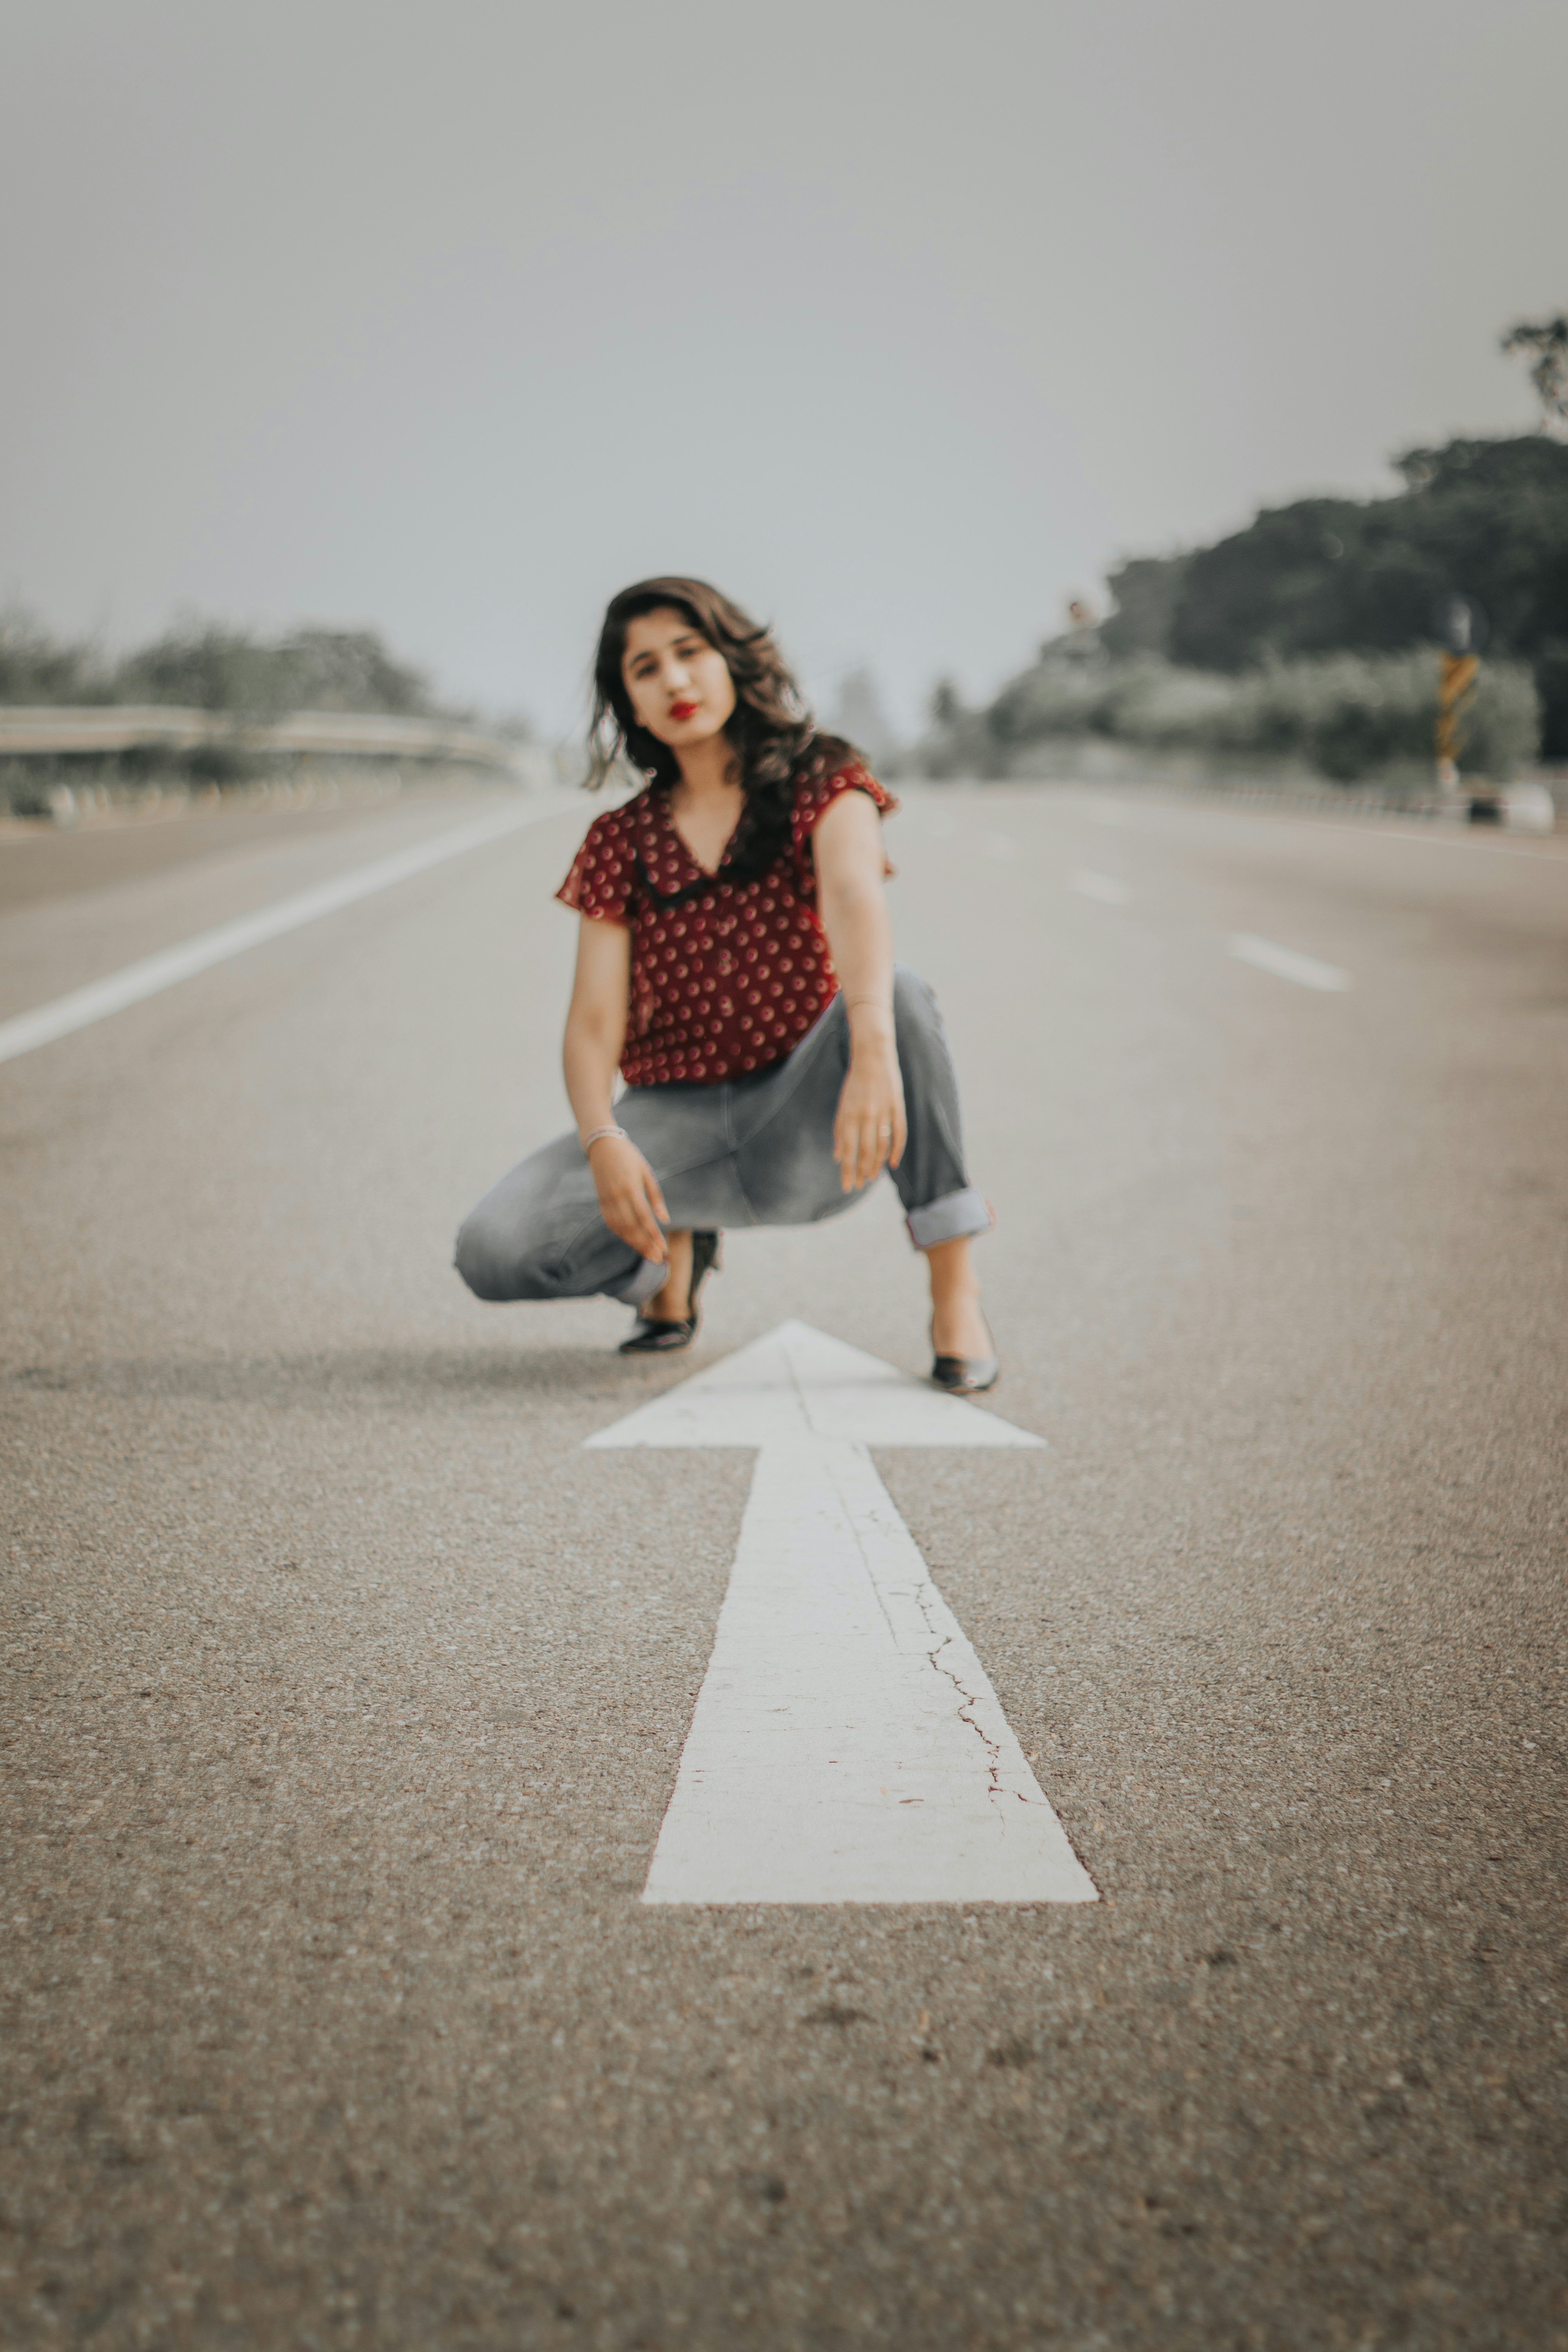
[683,710]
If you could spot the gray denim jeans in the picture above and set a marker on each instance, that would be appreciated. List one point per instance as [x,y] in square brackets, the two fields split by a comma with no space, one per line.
[754,1150]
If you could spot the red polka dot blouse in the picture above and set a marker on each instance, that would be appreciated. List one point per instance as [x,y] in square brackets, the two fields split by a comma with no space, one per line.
[726,981]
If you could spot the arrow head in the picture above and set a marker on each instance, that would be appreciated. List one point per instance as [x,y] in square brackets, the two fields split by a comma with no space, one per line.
[798,1382]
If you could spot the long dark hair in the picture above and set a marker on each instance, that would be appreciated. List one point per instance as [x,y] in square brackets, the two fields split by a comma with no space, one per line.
[771,729]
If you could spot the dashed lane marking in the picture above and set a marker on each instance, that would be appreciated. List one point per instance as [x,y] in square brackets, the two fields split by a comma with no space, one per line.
[846,1744]
[1286,963]
[1104,889]
[137,982]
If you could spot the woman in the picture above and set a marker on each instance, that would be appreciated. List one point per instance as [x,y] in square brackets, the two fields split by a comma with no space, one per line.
[734,963]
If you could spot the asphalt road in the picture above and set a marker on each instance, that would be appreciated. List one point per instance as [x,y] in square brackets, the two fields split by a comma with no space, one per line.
[40,862]
[344,1693]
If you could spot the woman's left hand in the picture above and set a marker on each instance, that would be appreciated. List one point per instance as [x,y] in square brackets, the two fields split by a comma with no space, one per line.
[869,1131]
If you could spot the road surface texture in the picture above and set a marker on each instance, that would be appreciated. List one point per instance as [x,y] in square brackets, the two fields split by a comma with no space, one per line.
[345,1692]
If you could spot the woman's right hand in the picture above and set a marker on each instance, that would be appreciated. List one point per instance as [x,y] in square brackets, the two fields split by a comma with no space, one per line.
[629,1199]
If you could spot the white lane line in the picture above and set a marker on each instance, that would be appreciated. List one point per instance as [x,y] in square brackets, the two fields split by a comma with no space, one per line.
[154,973]
[1102,888]
[1284,963]
[846,1744]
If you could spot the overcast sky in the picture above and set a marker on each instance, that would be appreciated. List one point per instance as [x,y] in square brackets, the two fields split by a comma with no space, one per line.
[900,321]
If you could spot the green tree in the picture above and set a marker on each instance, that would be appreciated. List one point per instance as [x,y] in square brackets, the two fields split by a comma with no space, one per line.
[214,669]
[1325,575]
[36,668]
[1546,341]
[1145,590]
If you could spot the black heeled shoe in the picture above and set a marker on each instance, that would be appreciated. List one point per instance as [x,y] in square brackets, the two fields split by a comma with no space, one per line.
[965,1375]
[657,1335]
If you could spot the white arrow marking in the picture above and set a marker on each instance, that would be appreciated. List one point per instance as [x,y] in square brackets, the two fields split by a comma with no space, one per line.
[846,1744]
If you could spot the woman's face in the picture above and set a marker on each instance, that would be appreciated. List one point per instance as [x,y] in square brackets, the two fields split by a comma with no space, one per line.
[680,684]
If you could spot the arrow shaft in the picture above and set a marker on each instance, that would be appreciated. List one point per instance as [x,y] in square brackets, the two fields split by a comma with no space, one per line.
[846,1744]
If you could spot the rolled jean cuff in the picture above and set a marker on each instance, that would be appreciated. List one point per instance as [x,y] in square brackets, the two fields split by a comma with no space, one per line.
[639,1288]
[950,1219]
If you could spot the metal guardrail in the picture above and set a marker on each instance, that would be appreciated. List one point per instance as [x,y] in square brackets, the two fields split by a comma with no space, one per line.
[109,728]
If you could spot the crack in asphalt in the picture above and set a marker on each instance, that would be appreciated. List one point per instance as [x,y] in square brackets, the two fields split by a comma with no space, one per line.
[970,1699]
[923,1594]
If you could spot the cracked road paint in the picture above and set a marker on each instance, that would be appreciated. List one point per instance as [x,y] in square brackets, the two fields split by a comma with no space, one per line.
[846,1744]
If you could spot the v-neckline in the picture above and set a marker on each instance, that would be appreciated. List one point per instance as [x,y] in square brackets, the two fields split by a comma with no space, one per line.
[708,873]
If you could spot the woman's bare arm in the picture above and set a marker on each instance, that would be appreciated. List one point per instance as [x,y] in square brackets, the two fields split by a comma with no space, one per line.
[629,1199]
[869,1131]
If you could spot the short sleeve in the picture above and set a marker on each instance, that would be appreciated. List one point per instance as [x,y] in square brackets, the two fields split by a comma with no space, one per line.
[600,882]
[816,797]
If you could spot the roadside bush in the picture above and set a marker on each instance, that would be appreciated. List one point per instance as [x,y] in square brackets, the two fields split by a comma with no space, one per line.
[1354,715]
[1153,704]
[1507,721]
[226,764]
[1347,715]
[26,786]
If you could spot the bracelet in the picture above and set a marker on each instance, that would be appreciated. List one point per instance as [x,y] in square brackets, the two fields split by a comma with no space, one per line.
[598,1135]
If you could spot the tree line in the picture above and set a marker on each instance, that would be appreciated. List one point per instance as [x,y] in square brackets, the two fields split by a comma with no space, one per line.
[202,666]
[1309,634]
[1486,519]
